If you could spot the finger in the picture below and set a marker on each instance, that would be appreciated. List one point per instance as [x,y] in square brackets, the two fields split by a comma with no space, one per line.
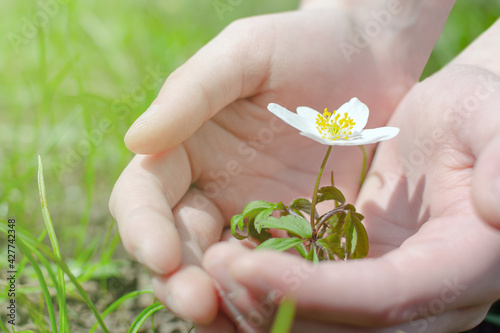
[227,68]
[233,296]
[258,307]
[486,183]
[474,118]
[189,292]
[221,324]
[482,135]
[380,291]
[458,320]
[141,205]
[484,140]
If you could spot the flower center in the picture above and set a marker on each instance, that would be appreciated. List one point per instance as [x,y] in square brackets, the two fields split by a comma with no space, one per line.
[334,127]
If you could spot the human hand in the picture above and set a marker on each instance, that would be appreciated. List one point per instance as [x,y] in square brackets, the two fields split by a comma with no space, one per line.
[208,127]
[435,264]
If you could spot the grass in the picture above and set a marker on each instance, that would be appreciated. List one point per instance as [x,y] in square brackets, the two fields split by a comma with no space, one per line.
[72,85]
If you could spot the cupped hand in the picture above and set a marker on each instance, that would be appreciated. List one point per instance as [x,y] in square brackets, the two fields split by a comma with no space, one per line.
[434,263]
[214,147]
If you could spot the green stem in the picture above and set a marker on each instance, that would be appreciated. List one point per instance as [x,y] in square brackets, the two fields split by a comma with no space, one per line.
[315,193]
[363,169]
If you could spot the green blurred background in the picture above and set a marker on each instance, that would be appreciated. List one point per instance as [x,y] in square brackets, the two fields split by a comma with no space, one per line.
[73,82]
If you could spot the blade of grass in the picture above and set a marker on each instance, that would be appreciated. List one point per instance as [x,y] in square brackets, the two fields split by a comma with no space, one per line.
[110,250]
[145,314]
[47,266]
[40,248]
[153,319]
[284,317]
[35,311]
[24,260]
[43,284]
[493,318]
[119,302]
[3,327]
[23,331]
[105,240]
[40,256]
[61,295]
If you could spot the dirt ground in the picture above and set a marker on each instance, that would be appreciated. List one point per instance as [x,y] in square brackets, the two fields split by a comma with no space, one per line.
[103,293]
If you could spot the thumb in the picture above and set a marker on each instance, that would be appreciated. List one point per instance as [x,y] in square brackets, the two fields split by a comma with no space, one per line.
[222,71]
[484,139]
[486,181]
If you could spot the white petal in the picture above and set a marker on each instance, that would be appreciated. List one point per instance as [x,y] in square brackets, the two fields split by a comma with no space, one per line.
[358,111]
[317,138]
[301,123]
[288,116]
[307,112]
[369,136]
[309,117]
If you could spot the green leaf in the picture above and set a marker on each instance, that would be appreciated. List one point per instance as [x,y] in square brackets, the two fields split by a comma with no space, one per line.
[279,206]
[260,235]
[264,214]
[255,207]
[311,253]
[350,207]
[356,238]
[301,249]
[332,244]
[336,223]
[330,193]
[280,244]
[254,210]
[358,216]
[362,245]
[295,225]
[350,235]
[302,204]
[315,256]
[237,221]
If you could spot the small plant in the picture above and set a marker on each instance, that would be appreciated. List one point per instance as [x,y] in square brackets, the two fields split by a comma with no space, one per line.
[337,234]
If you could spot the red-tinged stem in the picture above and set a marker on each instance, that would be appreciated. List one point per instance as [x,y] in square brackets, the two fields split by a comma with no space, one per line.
[316,186]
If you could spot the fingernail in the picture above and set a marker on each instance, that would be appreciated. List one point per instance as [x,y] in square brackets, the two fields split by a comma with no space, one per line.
[212,261]
[145,117]
[234,289]
[140,259]
[174,306]
[223,281]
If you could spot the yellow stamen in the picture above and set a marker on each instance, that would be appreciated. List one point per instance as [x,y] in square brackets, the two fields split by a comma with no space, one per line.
[332,127]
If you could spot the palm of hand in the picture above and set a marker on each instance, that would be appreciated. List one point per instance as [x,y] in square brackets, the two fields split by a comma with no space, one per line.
[240,153]
[423,178]
[435,264]
[244,153]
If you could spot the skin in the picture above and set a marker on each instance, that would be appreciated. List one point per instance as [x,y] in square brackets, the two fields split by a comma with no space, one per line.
[206,159]
[434,263]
